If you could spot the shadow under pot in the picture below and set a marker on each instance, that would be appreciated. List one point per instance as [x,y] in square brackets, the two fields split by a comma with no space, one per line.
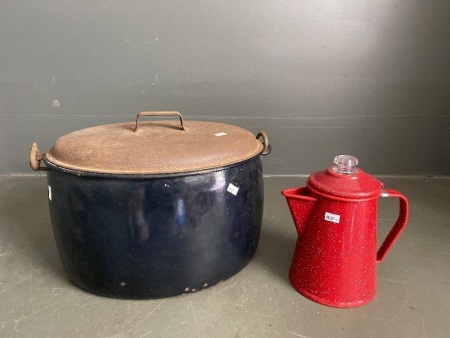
[154,209]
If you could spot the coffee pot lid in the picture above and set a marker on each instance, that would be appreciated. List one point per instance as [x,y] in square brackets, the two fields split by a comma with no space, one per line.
[345,180]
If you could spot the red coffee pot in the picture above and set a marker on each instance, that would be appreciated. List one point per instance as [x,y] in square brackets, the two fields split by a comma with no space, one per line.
[336,220]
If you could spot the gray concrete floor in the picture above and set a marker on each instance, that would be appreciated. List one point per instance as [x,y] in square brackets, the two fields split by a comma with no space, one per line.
[38,300]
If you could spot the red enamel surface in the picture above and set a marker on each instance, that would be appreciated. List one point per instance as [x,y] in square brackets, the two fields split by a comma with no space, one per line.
[335,256]
[354,186]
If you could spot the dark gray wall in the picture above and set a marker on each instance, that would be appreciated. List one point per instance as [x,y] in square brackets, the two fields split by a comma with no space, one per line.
[369,78]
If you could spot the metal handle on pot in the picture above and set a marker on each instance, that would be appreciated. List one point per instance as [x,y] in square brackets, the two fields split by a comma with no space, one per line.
[36,157]
[159,113]
[398,226]
[265,142]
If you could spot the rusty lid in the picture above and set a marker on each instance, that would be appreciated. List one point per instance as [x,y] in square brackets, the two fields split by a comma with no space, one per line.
[155,147]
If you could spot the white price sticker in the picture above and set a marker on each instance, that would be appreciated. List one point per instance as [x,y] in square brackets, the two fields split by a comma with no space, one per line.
[332,217]
[50,193]
[233,189]
[221,134]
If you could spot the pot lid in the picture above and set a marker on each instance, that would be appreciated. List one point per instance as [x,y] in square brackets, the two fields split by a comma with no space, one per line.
[155,147]
[345,180]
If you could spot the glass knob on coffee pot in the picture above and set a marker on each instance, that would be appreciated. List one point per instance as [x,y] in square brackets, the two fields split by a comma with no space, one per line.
[345,164]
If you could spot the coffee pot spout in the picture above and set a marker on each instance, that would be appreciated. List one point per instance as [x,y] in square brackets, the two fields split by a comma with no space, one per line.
[300,206]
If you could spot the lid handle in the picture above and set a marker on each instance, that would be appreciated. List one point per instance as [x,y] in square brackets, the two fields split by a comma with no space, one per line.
[159,113]
[345,164]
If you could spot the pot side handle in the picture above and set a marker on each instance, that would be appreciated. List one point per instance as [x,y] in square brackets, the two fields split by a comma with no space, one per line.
[159,113]
[35,158]
[265,142]
[398,226]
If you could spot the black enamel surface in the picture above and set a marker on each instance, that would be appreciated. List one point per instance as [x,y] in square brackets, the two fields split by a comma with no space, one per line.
[146,237]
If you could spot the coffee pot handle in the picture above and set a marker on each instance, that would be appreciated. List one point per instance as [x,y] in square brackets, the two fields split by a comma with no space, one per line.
[398,226]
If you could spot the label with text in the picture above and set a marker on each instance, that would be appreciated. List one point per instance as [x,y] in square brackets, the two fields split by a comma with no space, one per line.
[332,217]
[232,189]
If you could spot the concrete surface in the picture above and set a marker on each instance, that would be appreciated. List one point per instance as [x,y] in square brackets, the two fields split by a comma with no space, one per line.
[37,299]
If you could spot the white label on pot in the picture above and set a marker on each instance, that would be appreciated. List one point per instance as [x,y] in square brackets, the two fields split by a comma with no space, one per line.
[233,189]
[221,134]
[332,217]
[50,193]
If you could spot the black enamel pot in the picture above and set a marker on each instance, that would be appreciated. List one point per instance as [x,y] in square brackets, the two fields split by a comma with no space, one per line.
[155,209]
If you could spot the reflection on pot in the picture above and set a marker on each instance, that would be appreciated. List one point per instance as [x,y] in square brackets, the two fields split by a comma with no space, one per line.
[156,237]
